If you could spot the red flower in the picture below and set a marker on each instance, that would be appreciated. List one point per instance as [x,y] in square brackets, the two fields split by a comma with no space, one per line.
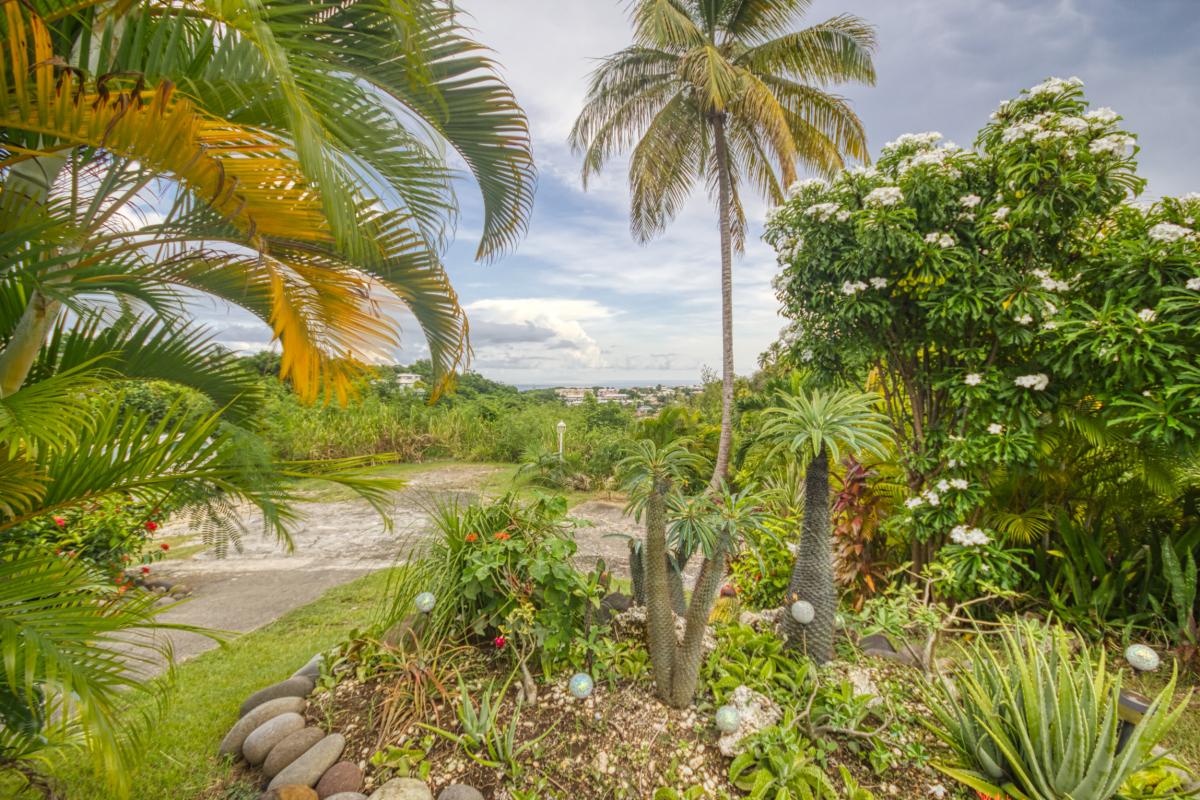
[145,570]
[121,589]
[70,554]
[500,641]
[59,521]
[502,536]
[165,547]
[152,526]
[471,537]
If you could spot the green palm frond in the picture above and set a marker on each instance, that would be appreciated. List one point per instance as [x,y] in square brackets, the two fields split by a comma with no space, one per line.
[49,415]
[838,420]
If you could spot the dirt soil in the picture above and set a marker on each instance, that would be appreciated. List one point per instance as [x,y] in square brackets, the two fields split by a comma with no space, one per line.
[335,543]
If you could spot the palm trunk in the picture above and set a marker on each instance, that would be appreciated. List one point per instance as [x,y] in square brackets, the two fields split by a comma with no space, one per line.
[691,651]
[812,573]
[721,468]
[660,621]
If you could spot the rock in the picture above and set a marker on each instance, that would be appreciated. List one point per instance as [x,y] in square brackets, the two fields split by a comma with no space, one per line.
[876,641]
[613,604]
[347,796]
[231,745]
[900,657]
[403,632]
[179,590]
[292,687]
[312,669]
[308,768]
[342,777]
[291,748]
[860,679]
[260,741]
[402,789]
[460,791]
[289,792]
[755,712]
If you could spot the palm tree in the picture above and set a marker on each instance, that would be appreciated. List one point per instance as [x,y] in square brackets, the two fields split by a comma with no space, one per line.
[271,155]
[723,91]
[816,426]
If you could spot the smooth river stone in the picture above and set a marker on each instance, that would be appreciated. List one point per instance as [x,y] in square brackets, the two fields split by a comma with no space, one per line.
[342,777]
[403,789]
[231,745]
[347,796]
[460,791]
[292,687]
[260,741]
[290,792]
[308,768]
[291,748]
[312,669]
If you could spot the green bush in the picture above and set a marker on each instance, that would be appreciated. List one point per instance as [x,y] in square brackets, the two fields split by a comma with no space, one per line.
[1031,720]
[761,572]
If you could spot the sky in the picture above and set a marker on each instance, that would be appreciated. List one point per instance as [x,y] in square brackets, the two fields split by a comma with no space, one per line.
[579,302]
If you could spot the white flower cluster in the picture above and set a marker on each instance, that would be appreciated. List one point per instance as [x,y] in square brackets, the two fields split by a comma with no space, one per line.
[1147,315]
[807,183]
[914,502]
[851,288]
[1102,116]
[959,483]
[884,196]
[1115,144]
[926,139]
[1049,283]
[1037,382]
[928,496]
[1168,232]
[863,171]
[1193,284]
[824,212]
[1001,213]
[1024,319]
[942,240]
[970,200]
[1054,86]
[969,537]
[878,283]
[995,429]
[973,379]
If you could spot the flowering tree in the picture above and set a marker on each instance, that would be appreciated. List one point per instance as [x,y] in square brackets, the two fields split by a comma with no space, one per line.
[989,293]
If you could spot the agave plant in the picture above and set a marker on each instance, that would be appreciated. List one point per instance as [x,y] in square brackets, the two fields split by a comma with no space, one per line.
[1031,721]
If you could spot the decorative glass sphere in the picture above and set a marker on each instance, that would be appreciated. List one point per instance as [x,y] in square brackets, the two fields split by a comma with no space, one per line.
[803,612]
[580,685]
[425,602]
[728,719]
[1142,658]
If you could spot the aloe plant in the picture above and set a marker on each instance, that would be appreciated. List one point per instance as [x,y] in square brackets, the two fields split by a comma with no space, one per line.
[1031,721]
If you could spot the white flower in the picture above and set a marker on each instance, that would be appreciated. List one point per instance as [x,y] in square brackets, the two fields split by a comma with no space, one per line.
[968,537]
[879,283]
[970,200]
[943,485]
[1193,284]
[958,483]
[1147,315]
[1054,86]
[973,379]
[807,355]
[1168,232]
[1018,131]
[1073,124]
[807,183]
[884,196]
[1024,319]
[1045,136]
[1115,144]
[1001,213]
[995,429]
[1103,115]
[933,497]
[851,288]
[914,502]
[842,215]
[1037,382]
[942,240]
[1050,284]
[1049,325]
[927,139]
[823,211]
[938,791]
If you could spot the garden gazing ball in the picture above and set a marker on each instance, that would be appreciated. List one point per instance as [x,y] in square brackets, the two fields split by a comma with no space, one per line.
[803,612]
[728,719]
[1142,658]
[580,685]
[424,602]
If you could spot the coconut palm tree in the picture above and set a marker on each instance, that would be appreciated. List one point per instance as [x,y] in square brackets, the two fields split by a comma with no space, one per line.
[816,426]
[726,92]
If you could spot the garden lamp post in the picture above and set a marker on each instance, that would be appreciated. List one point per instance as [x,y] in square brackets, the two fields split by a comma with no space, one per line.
[562,428]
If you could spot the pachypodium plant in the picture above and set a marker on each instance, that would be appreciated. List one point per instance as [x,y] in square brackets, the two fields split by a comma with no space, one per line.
[988,293]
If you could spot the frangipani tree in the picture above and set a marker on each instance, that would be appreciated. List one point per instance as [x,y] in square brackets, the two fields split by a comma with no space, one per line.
[990,293]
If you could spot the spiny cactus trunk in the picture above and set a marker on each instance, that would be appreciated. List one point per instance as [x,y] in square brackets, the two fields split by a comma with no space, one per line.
[637,574]
[690,652]
[675,584]
[660,622]
[812,573]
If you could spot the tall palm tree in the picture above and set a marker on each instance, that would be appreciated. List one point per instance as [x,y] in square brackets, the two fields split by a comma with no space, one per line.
[727,92]
[273,155]
[816,426]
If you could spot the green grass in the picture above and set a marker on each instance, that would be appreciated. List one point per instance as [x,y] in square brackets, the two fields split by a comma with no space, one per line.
[210,687]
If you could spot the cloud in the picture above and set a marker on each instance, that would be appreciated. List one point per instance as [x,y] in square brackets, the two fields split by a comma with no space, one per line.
[541,332]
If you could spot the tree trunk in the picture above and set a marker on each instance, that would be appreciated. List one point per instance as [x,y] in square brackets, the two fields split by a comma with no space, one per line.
[660,621]
[721,468]
[26,341]
[675,584]
[812,573]
[691,651]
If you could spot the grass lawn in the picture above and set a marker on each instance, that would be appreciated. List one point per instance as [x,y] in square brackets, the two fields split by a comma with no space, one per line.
[212,686]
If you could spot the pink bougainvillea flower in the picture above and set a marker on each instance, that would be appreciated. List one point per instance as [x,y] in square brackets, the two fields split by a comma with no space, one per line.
[59,521]
[152,526]
[500,641]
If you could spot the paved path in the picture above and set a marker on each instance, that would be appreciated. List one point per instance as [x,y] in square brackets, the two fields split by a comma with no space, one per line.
[337,542]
